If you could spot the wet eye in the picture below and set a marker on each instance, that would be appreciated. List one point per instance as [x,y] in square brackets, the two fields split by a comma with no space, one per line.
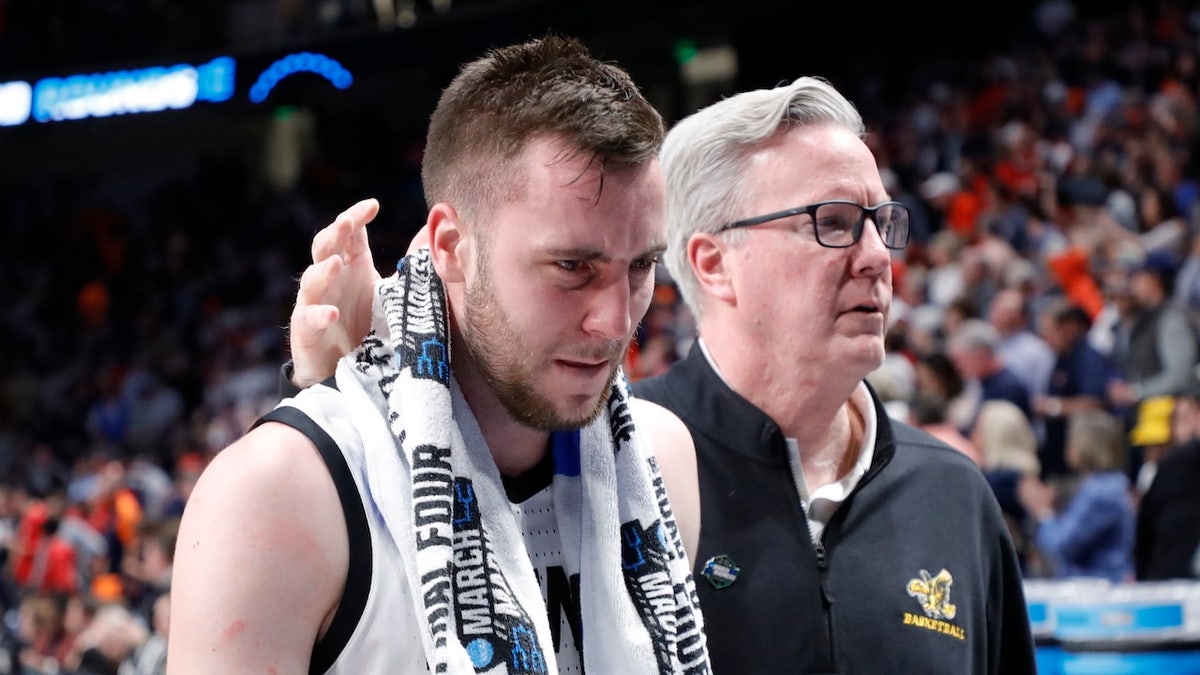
[570,265]
[646,264]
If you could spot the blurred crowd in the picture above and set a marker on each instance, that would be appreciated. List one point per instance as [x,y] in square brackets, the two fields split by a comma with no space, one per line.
[52,34]
[1044,323]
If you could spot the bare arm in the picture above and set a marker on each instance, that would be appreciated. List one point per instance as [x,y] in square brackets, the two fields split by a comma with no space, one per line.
[676,452]
[261,559]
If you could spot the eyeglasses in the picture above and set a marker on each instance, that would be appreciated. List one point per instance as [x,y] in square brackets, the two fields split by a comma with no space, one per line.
[839,224]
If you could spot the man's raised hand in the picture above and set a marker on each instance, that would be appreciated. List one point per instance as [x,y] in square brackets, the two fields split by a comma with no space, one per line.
[333,305]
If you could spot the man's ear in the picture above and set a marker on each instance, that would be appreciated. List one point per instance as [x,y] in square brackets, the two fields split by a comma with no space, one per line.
[712,263]
[449,246]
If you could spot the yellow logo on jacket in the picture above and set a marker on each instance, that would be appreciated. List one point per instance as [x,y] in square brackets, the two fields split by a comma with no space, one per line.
[933,593]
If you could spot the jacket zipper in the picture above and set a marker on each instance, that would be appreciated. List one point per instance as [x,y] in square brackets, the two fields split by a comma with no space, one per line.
[877,465]
[826,598]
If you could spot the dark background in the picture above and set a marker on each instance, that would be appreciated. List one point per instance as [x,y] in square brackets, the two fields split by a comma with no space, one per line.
[374,129]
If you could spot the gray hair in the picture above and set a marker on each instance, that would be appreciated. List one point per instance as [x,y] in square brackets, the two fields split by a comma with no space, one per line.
[704,155]
[976,334]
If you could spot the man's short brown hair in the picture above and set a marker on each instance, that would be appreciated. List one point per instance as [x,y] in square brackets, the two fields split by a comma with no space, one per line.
[547,87]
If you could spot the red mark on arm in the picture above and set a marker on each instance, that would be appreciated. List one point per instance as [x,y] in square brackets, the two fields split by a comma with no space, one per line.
[236,628]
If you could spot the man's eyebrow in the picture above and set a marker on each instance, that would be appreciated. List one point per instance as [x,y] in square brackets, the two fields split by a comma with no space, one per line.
[588,254]
[592,255]
[654,251]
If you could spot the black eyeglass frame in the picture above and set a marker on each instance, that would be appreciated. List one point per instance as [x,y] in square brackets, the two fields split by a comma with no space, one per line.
[811,212]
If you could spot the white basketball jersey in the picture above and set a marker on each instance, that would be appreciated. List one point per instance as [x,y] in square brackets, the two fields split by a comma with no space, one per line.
[375,628]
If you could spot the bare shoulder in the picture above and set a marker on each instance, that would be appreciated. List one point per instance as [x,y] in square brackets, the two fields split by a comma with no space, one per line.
[261,558]
[672,445]
[272,472]
[668,433]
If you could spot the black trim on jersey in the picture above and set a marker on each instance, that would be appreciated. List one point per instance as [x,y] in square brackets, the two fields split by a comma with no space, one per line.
[358,572]
[287,388]
[537,478]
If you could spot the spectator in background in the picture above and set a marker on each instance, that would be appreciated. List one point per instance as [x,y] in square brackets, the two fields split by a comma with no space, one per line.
[44,560]
[40,627]
[1150,438]
[187,471]
[1114,316]
[1076,204]
[1022,351]
[1162,229]
[53,569]
[1078,380]
[45,471]
[980,281]
[1008,448]
[112,637]
[1168,520]
[959,311]
[1093,535]
[974,349]
[78,612]
[944,280]
[1187,282]
[107,417]
[928,413]
[150,657]
[114,511]
[895,379]
[936,377]
[1161,350]
[148,564]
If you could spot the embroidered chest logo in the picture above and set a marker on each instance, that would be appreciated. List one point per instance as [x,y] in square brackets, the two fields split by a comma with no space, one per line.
[933,594]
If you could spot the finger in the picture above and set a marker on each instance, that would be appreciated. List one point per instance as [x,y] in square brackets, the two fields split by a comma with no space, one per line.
[314,320]
[345,231]
[317,280]
[363,212]
[360,214]
[310,323]
[329,241]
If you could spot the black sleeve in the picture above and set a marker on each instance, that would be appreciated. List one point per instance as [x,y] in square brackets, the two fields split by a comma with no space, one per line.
[287,388]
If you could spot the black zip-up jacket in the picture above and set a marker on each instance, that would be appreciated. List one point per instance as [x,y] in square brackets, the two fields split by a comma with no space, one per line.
[916,574]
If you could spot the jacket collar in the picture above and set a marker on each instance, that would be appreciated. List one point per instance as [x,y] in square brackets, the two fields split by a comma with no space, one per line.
[709,407]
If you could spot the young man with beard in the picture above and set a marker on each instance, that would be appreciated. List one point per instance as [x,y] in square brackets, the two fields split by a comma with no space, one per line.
[468,493]
[830,538]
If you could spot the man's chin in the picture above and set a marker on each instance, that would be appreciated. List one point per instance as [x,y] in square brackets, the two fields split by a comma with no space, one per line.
[568,412]
[863,359]
[561,408]
[579,416]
